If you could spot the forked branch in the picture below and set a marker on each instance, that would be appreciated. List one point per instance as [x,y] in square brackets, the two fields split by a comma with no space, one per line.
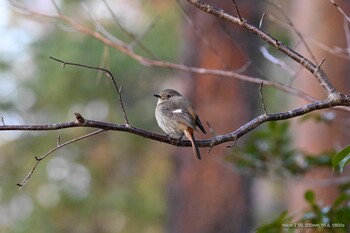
[108,74]
[214,141]
[124,48]
[317,72]
[334,98]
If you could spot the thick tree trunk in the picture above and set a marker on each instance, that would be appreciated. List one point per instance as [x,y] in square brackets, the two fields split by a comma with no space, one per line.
[320,22]
[208,196]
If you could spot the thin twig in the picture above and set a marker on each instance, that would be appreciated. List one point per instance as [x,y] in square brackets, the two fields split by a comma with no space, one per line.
[122,105]
[237,10]
[233,136]
[276,60]
[320,64]
[233,144]
[79,119]
[200,35]
[343,53]
[262,97]
[262,19]
[347,35]
[291,24]
[56,7]
[39,159]
[337,51]
[138,38]
[211,130]
[104,62]
[346,17]
[130,35]
[164,64]
[58,142]
[320,75]
[108,74]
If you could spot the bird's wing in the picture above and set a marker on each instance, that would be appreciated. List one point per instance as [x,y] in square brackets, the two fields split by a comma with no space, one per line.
[175,111]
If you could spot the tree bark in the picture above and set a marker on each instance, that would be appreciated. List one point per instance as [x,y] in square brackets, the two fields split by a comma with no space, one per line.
[320,22]
[208,196]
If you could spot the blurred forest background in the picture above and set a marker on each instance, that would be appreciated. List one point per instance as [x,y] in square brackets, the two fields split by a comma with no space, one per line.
[118,182]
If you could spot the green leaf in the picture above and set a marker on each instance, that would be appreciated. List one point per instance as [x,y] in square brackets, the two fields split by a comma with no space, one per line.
[341,158]
[341,199]
[310,196]
[277,225]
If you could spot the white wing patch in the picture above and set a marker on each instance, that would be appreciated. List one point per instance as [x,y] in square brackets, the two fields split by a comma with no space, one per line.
[178,110]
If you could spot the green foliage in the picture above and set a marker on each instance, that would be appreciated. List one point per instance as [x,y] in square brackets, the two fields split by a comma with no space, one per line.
[265,149]
[279,225]
[334,218]
[341,159]
[268,150]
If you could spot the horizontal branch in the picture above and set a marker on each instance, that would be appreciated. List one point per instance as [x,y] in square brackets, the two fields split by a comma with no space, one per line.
[219,139]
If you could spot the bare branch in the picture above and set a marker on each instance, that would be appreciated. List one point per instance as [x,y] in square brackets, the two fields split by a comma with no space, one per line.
[336,51]
[276,61]
[211,130]
[137,39]
[291,24]
[122,47]
[319,74]
[39,159]
[262,97]
[200,36]
[346,17]
[56,7]
[79,118]
[334,98]
[216,140]
[58,140]
[262,19]
[319,65]
[233,144]
[122,104]
[108,74]
[239,15]
[338,100]
[130,35]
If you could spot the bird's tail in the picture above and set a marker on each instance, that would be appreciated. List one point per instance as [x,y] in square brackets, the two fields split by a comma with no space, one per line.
[189,135]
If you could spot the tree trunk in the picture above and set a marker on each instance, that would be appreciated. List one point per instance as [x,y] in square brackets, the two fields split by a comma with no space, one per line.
[320,22]
[208,196]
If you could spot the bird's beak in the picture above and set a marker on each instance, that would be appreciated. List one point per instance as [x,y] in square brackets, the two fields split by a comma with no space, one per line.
[156,95]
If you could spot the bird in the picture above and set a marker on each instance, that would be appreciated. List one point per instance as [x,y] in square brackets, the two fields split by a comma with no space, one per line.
[176,116]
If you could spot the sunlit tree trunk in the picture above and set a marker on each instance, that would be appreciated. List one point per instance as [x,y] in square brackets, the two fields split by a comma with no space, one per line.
[209,196]
[320,23]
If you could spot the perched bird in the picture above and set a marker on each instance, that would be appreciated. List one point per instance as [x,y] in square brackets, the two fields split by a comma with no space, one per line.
[176,117]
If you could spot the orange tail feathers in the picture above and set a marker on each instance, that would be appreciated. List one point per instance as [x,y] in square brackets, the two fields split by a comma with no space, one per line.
[189,134]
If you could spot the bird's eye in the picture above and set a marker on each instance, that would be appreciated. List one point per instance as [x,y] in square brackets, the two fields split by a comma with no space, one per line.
[168,96]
